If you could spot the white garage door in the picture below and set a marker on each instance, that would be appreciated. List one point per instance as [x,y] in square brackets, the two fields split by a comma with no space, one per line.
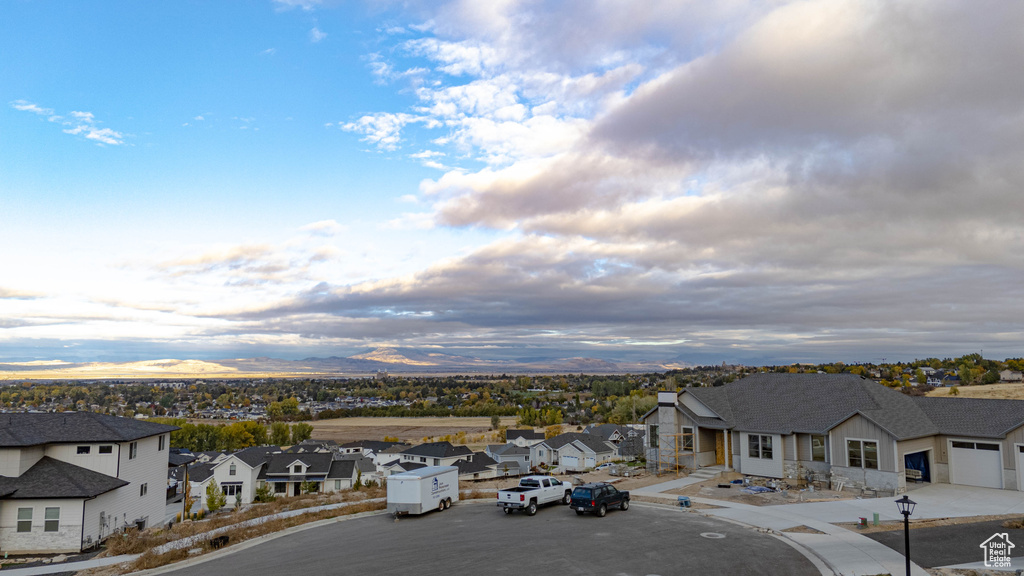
[570,462]
[591,462]
[976,464]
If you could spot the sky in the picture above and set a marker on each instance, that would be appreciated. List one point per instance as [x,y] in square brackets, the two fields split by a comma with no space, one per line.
[764,182]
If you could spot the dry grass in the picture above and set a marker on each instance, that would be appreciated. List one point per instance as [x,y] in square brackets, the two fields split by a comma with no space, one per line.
[134,542]
[474,430]
[1006,391]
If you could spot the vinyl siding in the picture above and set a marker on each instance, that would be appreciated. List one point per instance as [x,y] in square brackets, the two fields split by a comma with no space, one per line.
[1009,450]
[65,539]
[858,427]
[910,446]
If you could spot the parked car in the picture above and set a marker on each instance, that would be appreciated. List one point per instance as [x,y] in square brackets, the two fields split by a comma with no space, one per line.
[532,492]
[605,466]
[597,497]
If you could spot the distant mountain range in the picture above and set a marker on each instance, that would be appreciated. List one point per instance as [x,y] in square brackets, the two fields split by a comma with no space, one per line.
[393,360]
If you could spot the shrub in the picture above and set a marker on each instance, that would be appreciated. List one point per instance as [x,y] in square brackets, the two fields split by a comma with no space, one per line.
[215,498]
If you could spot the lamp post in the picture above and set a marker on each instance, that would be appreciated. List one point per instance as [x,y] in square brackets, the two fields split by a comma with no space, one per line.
[906,506]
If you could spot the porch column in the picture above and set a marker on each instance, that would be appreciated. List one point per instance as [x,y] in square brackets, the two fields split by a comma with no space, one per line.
[728,450]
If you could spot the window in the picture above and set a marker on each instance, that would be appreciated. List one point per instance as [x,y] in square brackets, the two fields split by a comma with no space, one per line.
[423,459]
[280,487]
[231,489]
[83,449]
[337,484]
[818,448]
[759,446]
[687,440]
[297,469]
[24,519]
[143,489]
[106,449]
[862,454]
[51,517]
[161,443]
[133,450]
[652,438]
[232,470]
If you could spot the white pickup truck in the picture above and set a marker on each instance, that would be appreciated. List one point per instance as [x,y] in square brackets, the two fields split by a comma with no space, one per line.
[532,492]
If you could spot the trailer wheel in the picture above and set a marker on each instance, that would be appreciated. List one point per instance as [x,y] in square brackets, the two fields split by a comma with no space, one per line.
[531,509]
[440,506]
[449,503]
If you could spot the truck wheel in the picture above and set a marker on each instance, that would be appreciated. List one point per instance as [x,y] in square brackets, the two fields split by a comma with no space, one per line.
[531,509]
[602,511]
[567,498]
[625,504]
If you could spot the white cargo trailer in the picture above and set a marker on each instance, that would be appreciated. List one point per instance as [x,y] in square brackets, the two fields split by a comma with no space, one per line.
[423,490]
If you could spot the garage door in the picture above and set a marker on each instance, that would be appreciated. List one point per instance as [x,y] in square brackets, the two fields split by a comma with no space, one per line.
[570,462]
[591,462]
[976,464]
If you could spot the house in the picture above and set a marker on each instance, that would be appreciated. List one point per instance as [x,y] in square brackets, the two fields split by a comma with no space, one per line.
[287,473]
[369,448]
[840,426]
[1010,376]
[436,454]
[511,460]
[237,475]
[479,466]
[68,480]
[572,451]
[524,438]
[608,432]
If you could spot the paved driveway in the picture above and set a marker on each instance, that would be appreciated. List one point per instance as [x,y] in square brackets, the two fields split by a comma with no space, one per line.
[474,538]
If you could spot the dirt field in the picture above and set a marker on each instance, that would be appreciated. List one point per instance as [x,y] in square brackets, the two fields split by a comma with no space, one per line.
[1006,391]
[478,430]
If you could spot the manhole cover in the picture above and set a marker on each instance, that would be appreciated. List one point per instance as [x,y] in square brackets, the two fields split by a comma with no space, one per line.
[712,535]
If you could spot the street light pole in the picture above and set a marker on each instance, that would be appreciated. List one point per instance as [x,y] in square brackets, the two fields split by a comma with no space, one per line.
[906,507]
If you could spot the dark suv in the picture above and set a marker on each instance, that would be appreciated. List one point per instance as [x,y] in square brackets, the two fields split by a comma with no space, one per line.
[597,498]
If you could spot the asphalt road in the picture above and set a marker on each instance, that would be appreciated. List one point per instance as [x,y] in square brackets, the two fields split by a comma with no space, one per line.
[949,545]
[473,538]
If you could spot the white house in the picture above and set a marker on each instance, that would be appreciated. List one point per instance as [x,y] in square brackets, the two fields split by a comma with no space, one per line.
[69,480]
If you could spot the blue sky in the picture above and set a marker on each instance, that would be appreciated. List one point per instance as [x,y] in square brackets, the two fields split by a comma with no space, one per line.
[741,182]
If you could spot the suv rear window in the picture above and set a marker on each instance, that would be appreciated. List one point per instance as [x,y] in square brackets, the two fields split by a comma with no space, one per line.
[581,493]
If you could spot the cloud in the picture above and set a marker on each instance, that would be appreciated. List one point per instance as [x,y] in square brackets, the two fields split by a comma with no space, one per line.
[26,106]
[384,130]
[813,174]
[79,124]
[307,5]
[14,294]
[316,35]
[268,52]
[323,228]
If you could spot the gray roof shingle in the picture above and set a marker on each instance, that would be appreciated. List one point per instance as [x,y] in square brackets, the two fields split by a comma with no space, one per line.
[982,417]
[51,478]
[438,450]
[811,403]
[25,429]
